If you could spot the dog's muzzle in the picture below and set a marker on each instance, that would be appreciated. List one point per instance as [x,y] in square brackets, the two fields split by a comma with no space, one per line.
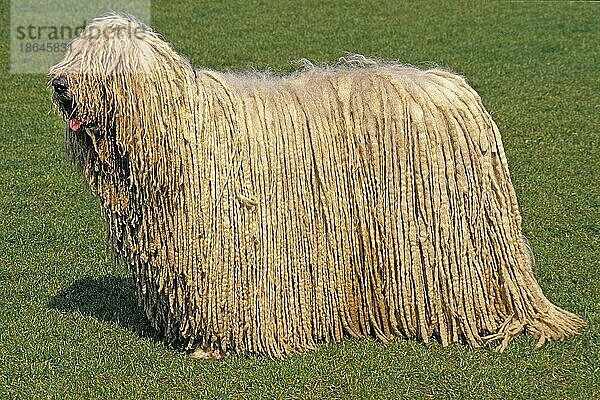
[65,103]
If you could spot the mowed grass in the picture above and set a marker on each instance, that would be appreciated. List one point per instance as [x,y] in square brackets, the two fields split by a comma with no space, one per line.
[69,324]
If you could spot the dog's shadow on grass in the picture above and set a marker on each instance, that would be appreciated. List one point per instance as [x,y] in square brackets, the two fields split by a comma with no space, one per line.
[108,298]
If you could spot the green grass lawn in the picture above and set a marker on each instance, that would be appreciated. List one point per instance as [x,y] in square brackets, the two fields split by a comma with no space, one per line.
[69,325]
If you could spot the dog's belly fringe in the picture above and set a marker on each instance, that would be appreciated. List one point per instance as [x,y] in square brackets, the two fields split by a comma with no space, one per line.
[373,201]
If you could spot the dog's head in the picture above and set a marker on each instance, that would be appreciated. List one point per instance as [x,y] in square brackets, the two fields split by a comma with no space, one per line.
[126,97]
[116,74]
[93,60]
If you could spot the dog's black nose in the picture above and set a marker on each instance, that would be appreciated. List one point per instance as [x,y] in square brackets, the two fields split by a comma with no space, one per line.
[60,85]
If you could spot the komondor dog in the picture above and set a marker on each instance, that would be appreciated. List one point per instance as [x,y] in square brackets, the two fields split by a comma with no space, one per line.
[268,214]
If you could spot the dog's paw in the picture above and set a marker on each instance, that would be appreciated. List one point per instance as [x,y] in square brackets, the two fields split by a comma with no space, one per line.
[205,353]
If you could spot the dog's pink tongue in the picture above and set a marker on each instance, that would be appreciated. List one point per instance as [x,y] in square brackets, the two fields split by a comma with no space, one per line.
[75,124]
